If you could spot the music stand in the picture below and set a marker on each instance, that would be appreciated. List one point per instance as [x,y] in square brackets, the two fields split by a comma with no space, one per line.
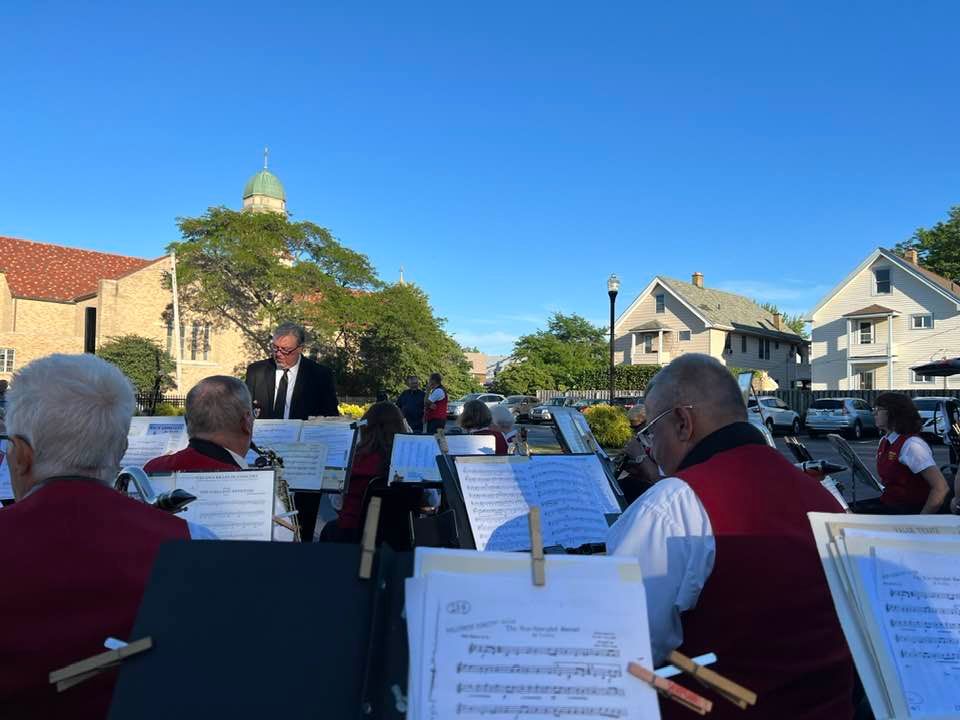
[858,471]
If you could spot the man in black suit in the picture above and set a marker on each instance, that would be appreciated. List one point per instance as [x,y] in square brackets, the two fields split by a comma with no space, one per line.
[293,387]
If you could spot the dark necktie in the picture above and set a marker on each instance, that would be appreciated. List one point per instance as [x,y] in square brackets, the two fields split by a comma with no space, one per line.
[281,402]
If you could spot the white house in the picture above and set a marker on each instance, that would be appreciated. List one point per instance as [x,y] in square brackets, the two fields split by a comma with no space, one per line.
[888,315]
[671,317]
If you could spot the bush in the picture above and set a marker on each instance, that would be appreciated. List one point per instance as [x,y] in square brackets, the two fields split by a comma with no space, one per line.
[625,377]
[165,409]
[609,425]
[353,411]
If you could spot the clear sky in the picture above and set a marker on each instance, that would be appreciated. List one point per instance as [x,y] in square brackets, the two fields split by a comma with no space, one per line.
[510,155]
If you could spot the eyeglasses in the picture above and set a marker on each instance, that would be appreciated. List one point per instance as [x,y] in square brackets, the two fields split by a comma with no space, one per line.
[647,434]
[285,351]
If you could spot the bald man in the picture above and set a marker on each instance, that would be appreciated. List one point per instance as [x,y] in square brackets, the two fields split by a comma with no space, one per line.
[727,554]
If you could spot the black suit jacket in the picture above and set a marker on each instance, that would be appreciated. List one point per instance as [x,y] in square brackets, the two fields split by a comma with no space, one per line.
[313,394]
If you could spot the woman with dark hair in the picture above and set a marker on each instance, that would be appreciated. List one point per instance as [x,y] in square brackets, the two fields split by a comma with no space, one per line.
[476,419]
[371,459]
[913,482]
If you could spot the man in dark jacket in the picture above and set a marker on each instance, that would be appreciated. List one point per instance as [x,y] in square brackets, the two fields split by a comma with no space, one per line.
[410,403]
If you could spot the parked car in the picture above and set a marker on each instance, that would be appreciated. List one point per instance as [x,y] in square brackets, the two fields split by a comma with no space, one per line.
[541,413]
[521,405]
[627,401]
[938,414]
[455,408]
[583,403]
[840,415]
[776,415]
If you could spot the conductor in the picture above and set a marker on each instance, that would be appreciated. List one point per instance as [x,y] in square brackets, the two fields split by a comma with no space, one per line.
[290,386]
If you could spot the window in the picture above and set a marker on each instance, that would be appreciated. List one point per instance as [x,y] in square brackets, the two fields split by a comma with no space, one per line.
[881,284]
[743,343]
[763,349]
[866,383]
[920,378]
[866,333]
[684,336]
[170,339]
[6,359]
[661,305]
[921,322]
[727,342]
[648,343]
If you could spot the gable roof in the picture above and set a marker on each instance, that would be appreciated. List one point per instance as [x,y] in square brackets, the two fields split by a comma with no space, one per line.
[939,284]
[871,310]
[719,309]
[62,274]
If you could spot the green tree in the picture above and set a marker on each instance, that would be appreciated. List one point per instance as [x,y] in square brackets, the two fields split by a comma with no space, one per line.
[522,378]
[253,270]
[565,351]
[142,360]
[938,248]
[794,322]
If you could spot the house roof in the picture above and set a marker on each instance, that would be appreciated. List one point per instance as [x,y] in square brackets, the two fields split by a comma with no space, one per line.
[63,274]
[651,326]
[728,310]
[871,310]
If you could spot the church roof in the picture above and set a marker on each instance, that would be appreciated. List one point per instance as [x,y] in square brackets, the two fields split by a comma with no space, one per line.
[58,273]
[264,183]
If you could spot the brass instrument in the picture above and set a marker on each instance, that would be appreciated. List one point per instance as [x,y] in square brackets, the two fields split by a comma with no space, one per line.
[174,501]
[268,458]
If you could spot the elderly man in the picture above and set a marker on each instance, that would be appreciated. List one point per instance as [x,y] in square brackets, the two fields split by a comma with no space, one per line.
[75,554]
[219,419]
[727,553]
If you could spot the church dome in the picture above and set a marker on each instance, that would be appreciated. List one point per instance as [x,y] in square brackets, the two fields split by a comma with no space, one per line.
[264,183]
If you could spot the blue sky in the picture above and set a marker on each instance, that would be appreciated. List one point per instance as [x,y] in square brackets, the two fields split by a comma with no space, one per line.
[509,155]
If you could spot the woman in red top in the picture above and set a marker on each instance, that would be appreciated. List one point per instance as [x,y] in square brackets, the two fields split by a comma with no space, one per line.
[476,419]
[913,483]
[371,459]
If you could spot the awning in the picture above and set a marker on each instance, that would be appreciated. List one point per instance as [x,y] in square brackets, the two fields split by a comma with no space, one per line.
[939,368]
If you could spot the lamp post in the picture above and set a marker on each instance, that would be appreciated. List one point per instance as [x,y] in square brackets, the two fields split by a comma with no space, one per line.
[613,286]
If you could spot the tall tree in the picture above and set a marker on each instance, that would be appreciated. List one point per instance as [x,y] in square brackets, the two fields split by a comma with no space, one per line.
[794,322]
[938,248]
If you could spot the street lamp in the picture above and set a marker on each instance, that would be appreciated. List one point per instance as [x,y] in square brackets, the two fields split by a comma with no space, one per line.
[613,286]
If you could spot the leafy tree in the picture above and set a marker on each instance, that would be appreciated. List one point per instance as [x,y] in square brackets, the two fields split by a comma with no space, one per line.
[938,248]
[471,348]
[568,348]
[253,270]
[142,360]
[522,378]
[794,322]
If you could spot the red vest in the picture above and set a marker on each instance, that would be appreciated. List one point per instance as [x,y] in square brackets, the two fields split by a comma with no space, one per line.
[766,610]
[188,459]
[75,557]
[903,488]
[366,466]
[499,441]
[439,409]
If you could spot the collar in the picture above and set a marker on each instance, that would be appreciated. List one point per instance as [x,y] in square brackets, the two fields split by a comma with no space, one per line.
[293,368]
[214,451]
[56,478]
[726,438]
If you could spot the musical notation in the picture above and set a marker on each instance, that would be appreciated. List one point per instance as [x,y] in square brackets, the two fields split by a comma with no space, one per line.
[542,710]
[508,689]
[565,670]
[509,650]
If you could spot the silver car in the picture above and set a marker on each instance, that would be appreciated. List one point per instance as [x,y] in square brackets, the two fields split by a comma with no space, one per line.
[777,415]
[541,413]
[938,414]
[455,408]
[840,415]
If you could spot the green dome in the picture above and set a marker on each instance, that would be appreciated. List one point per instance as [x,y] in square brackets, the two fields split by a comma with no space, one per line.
[264,183]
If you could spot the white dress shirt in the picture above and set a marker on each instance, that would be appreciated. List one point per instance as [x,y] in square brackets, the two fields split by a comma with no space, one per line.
[436,395]
[915,453]
[669,533]
[291,381]
[238,459]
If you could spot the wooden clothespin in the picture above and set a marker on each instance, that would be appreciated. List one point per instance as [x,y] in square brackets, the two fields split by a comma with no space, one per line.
[368,545]
[537,558]
[727,689]
[284,523]
[77,672]
[442,442]
[670,689]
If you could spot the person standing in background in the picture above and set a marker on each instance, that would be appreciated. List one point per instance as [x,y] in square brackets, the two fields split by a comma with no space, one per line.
[411,403]
[435,408]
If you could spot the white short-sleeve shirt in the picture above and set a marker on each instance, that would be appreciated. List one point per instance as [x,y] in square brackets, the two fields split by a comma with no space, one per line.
[915,453]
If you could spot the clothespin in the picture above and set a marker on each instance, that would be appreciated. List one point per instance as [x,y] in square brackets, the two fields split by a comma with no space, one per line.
[283,522]
[397,477]
[727,689]
[442,442]
[537,557]
[77,672]
[368,545]
[670,689]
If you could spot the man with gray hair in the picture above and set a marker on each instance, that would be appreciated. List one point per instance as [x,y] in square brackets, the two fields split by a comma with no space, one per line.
[291,386]
[75,553]
[219,417]
[727,554]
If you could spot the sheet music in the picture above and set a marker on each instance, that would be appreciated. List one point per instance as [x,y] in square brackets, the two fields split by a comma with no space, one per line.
[567,426]
[414,458]
[234,505]
[497,646]
[337,436]
[144,448]
[303,464]
[471,444]
[6,488]
[173,426]
[498,495]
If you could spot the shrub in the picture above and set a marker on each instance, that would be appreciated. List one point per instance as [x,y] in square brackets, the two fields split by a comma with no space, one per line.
[165,409]
[353,411]
[609,425]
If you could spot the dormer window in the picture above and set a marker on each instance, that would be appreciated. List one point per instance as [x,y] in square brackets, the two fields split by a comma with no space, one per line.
[881,281]
[661,304]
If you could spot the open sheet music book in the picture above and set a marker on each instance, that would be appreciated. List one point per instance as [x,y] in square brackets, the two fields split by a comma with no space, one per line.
[573,492]
[338,437]
[414,457]
[895,582]
[151,437]
[485,642]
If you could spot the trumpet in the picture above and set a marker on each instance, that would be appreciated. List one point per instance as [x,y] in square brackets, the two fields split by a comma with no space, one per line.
[173,501]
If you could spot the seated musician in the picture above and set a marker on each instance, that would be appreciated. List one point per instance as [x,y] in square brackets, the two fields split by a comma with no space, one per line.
[75,553]
[504,422]
[912,481]
[477,420]
[638,472]
[727,554]
[219,415]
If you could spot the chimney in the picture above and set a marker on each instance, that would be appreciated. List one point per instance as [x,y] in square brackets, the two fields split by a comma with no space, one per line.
[698,279]
[911,256]
[778,321]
